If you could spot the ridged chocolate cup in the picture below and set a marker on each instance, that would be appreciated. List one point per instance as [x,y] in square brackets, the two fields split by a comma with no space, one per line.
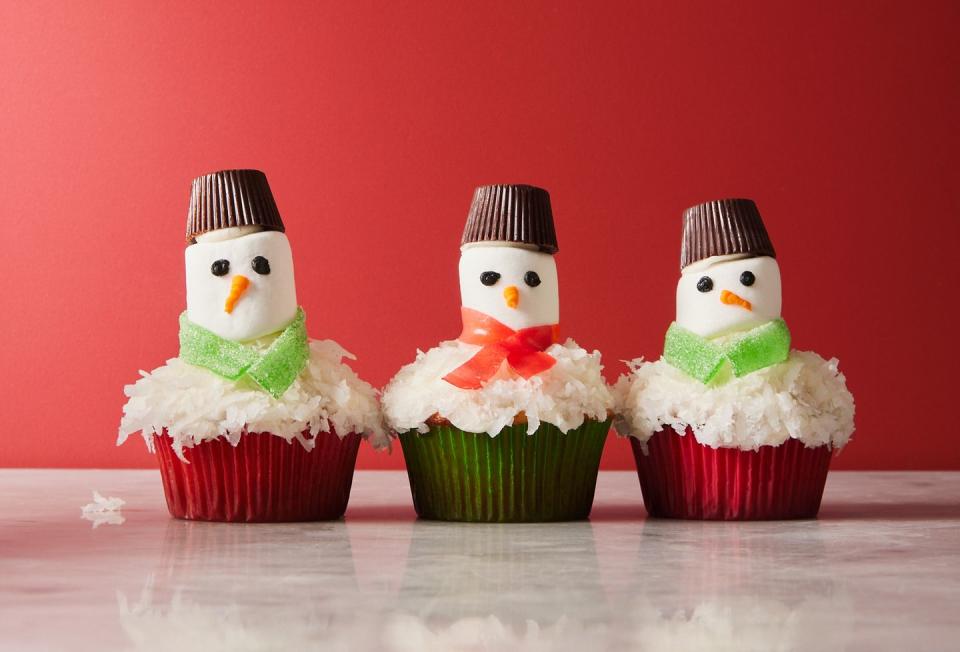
[511,213]
[231,198]
[721,228]
[514,477]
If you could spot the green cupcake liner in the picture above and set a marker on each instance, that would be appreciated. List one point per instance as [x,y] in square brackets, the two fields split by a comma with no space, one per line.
[511,478]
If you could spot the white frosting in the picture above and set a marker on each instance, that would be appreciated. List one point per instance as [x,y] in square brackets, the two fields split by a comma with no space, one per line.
[269,302]
[803,398]
[707,315]
[195,405]
[564,395]
[535,306]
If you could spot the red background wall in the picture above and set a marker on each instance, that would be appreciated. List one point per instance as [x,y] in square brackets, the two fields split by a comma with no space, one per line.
[374,121]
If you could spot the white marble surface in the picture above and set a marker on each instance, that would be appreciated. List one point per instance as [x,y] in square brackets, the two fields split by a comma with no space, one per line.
[880,570]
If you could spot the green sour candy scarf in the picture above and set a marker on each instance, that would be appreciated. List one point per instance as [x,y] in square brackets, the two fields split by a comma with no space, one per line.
[700,358]
[274,370]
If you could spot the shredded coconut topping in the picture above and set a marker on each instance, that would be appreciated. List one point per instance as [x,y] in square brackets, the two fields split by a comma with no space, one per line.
[194,405]
[804,397]
[103,510]
[565,395]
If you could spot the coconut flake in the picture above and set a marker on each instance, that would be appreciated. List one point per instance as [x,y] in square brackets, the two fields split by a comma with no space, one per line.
[804,397]
[194,405]
[565,395]
[103,510]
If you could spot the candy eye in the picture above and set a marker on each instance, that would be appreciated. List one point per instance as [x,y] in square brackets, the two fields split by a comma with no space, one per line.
[705,284]
[220,267]
[532,279]
[489,278]
[747,278]
[260,265]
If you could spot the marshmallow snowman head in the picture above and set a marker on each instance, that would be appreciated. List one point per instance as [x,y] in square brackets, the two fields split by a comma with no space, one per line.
[239,265]
[507,268]
[730,280]
[515,285]
[241,287]
[724,294]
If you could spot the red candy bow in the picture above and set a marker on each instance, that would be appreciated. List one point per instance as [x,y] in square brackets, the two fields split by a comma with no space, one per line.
[522,349]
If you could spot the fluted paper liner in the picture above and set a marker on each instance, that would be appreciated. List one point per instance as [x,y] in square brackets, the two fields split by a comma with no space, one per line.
[514,477]
[682,478]
[264,478]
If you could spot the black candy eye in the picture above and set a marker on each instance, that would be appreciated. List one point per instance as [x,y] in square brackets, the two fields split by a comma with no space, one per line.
[220,267]
[532,279]
[489,278]
[705,284]
[260,265]
[747,278]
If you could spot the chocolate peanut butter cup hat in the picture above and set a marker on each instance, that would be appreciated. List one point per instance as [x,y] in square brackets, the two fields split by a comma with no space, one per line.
[231,198]
[511,213]
[721,228]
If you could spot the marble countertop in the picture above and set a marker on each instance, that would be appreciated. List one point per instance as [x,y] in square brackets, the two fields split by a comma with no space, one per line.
[880,570]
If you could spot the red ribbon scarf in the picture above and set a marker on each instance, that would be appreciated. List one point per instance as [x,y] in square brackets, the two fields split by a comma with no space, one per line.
[522,349]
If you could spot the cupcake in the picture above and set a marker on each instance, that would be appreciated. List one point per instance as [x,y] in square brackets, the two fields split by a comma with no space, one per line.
[730,423]
[507,422]
[253,421]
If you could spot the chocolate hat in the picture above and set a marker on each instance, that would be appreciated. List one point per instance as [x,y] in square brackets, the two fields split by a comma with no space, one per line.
[511,213]
[721,228]
[231,198]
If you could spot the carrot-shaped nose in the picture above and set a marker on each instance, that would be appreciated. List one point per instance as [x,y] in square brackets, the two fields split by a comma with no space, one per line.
[512,296]
[732,299]
[238,286]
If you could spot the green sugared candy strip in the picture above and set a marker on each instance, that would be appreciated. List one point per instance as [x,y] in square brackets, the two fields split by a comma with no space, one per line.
[274,370]
[695,356]
[703,359]
[761,347]
[203,348]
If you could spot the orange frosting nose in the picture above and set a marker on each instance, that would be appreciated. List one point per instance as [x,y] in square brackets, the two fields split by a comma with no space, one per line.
[732,299]
[512,296]
[238,286]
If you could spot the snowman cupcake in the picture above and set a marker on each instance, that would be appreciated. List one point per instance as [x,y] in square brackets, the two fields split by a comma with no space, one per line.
[253,421]
[730,423]
[507,422]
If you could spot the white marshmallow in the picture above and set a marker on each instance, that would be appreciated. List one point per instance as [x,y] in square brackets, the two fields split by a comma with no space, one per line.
[267,305]
[707,315]
[536,306]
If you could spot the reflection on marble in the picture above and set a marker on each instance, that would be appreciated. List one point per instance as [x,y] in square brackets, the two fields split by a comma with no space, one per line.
[879,570]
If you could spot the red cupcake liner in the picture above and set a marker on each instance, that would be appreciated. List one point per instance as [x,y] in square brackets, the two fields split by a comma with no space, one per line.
[264,478]
[682,478]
